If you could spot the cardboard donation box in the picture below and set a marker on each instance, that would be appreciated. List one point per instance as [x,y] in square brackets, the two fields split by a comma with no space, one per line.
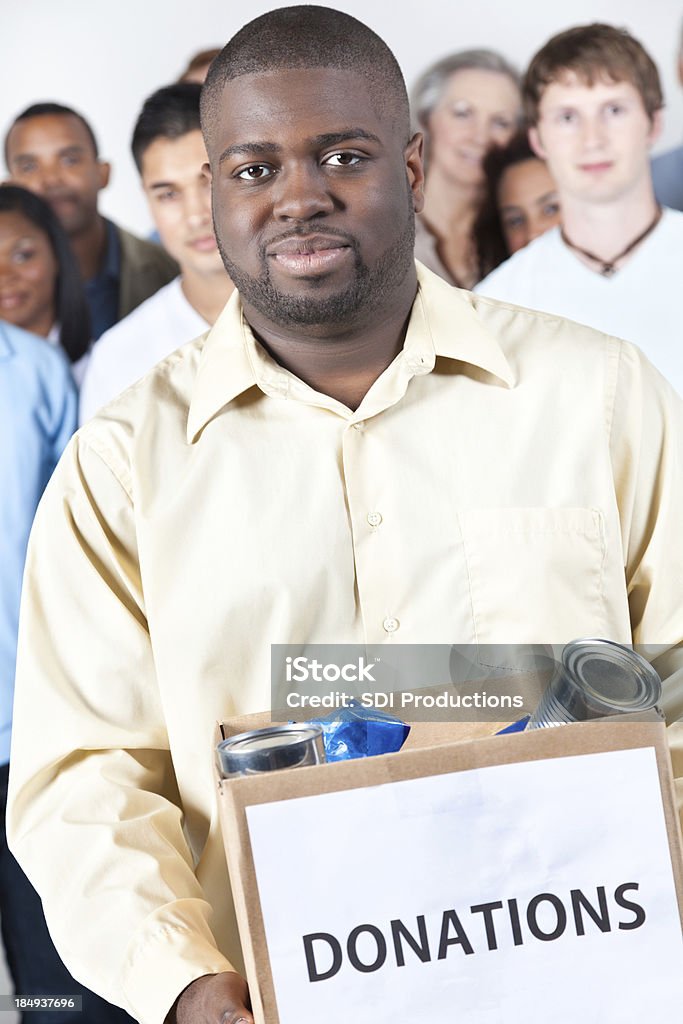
[521,878]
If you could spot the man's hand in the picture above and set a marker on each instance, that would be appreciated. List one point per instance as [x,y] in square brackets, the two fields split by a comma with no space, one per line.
[213,999]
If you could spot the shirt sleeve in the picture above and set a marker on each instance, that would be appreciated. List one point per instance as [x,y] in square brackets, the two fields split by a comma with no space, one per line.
[647,452]
[94,814]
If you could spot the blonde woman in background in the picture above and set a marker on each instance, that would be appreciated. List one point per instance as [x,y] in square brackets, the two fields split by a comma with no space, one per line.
[465,104]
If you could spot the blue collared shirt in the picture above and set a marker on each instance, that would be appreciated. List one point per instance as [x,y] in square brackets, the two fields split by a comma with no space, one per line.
[38,408]
[102,291]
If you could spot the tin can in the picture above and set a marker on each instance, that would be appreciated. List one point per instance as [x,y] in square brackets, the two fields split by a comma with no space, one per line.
[594,679]
[271,749]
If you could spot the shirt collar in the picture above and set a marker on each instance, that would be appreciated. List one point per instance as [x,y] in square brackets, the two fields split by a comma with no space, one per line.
[225,370]
[443,323]
[449,317]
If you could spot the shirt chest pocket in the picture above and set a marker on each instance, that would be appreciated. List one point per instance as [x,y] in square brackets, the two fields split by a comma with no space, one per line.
[535,574]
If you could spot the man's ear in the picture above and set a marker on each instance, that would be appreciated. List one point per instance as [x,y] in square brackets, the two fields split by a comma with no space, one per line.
[536,144]
[104,171]
[657,126]
[415,170]
[206,171]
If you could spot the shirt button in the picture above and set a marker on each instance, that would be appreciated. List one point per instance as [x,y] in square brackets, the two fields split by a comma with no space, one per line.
[358,426]
[391,625]
[374,518]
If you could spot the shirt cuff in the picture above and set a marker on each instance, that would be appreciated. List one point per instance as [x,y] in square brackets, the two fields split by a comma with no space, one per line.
[173,949]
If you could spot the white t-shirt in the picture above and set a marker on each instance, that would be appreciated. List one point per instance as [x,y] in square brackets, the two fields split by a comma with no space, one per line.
[135,344]
[642,302]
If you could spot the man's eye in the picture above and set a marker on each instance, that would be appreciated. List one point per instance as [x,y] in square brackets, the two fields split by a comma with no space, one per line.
[342,159]
[72,160]
[255,172]
[615,109]
[23,255]
[166,196]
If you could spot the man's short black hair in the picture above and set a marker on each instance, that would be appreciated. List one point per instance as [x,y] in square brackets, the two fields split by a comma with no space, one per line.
[169,113]
[40,110]
[309,37]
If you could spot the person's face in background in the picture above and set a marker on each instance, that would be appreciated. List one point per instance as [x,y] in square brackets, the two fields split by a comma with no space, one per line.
[28,274]
[53,156]
[179,196]
[477,110]
[596,138]
[527,202]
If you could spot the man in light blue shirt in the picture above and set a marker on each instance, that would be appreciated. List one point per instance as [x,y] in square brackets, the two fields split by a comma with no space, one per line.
[38,415]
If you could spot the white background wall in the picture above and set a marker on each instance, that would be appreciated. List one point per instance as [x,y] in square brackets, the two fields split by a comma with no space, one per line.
[104,59]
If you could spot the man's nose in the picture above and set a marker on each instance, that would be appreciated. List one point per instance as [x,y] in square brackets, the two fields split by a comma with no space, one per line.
[49,176]
[197,207]
[593,132]
[302,192]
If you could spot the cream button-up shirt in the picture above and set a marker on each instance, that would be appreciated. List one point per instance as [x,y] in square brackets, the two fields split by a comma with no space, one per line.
[510,478]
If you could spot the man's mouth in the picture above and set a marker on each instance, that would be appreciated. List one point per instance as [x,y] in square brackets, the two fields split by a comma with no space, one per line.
[309,255]
[596,166]
[306,245]
[205,243]
[60,198]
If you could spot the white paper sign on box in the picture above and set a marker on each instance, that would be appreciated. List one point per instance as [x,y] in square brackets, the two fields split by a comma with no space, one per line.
[498,901]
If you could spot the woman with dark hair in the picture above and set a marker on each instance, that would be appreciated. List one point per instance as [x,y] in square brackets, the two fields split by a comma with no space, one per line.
[40,285]
[464,104]
[520,203]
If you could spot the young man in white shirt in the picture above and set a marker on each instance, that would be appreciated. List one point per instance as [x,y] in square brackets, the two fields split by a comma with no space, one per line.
[169,152]
[593,100]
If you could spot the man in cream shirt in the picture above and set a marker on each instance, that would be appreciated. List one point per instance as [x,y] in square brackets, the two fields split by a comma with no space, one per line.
[356,452]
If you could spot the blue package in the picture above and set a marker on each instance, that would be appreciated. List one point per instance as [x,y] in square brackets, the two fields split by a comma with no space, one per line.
[356,731]
[518,726]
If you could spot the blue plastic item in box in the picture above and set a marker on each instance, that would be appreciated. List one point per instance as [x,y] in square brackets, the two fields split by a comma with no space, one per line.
[356,731]
[518,726]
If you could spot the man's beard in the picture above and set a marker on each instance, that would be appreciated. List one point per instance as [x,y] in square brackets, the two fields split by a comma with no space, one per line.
[371,288]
